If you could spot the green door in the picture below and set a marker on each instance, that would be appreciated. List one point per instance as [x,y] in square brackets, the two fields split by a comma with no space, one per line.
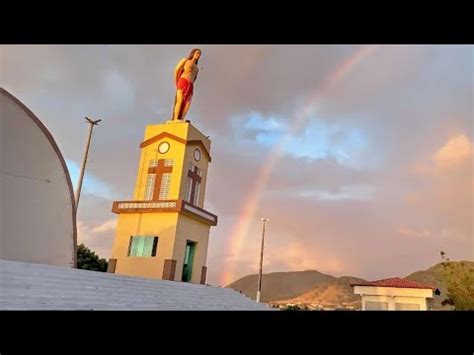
[188,261]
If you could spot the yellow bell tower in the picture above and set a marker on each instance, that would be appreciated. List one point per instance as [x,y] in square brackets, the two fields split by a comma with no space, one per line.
[163,232]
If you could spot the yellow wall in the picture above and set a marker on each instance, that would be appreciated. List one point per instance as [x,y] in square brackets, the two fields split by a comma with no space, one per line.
[190,229]
[173,230]
[179,152]
[150,152]
[203,164]
[162,225]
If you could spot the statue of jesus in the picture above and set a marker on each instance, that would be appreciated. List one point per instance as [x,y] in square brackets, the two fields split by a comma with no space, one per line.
[185,74]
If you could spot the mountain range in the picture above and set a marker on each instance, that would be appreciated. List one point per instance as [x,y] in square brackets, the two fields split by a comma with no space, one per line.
[314,287]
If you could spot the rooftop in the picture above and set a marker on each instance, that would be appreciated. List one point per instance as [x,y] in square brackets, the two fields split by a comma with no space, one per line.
[28,286]
[394,282]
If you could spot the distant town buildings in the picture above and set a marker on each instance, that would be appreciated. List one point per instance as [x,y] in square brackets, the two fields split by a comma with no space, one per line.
[316,306]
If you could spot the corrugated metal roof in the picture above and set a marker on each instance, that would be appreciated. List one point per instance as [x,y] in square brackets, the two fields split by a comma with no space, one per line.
[27,286]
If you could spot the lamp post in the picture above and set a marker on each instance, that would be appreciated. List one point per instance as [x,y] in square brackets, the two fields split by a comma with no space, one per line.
[259,291]
[84,160]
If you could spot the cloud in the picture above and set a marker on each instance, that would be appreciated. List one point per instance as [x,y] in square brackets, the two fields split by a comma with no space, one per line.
[108,225]
[98,238]
[118,92]
[298,257]
[340,194]
[91,184]
[457,149]
[414,233]
[347,143]
[444,190]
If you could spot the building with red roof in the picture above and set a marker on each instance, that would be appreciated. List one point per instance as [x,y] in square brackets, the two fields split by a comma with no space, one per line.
[394,294]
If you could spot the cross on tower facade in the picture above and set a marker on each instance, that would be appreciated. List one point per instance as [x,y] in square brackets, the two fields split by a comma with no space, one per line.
[194,174]
[163,166]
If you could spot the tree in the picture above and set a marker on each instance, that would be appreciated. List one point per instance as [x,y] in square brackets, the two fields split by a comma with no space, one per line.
[295,307]
[459,280]
[88,260]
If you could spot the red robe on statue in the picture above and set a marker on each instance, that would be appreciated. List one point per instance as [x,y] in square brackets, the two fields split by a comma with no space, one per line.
[187,88]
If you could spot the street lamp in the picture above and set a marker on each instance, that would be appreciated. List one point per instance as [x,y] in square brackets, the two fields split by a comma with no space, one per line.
[91,123]
[259,291]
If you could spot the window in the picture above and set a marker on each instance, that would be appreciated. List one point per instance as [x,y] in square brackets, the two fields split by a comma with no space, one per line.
[150,181]
[165,186]
[142,246]
[166,181]
[196,194]
[376,306]
[156,168]
[407,307]
[150,184]
[190,180]
[187,190]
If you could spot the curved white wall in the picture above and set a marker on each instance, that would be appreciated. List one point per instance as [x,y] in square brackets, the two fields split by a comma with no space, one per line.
[37,214]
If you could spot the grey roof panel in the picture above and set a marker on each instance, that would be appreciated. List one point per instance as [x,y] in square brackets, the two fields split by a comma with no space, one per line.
[28,286]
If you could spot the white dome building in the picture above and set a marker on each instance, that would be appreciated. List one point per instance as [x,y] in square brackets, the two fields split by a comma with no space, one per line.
[37,212]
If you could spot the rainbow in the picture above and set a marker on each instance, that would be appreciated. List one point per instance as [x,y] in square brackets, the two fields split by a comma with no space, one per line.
[247,214]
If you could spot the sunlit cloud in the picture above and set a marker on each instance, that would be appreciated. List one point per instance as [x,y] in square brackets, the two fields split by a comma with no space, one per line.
[108,225]
[98,238]
[299,257]
[343,193]
[456,150]
[413,232]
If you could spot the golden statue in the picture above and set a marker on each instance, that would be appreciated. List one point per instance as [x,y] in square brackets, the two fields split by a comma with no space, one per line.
[185,74]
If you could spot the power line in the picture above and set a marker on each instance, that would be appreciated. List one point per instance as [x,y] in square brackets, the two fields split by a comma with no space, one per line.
[24,176]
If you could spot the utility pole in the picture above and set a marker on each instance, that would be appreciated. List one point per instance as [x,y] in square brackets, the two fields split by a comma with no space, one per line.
[84,160]
[259,291]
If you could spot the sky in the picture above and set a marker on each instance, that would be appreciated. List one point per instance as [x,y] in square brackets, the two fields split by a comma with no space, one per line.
[362,157]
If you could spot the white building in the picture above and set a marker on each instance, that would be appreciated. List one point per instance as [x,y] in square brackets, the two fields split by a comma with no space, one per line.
[394,294]
[37,212]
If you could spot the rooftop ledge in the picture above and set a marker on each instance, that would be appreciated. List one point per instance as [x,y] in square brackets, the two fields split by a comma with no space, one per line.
[165,206]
